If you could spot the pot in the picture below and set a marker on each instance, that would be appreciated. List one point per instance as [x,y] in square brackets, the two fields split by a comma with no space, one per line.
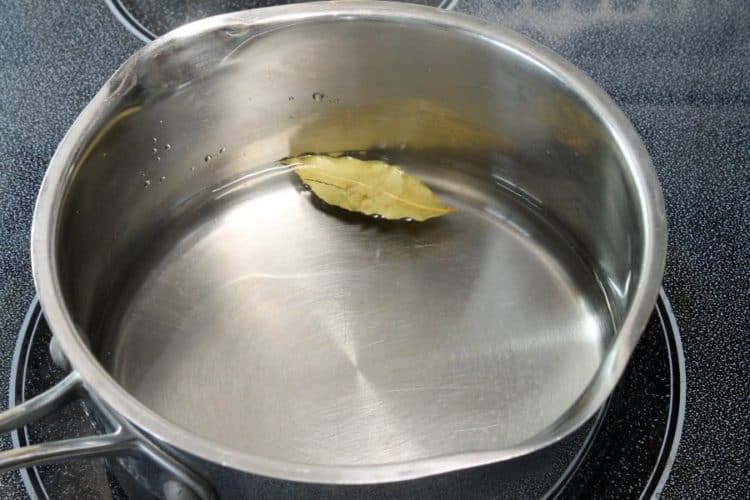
[226,324]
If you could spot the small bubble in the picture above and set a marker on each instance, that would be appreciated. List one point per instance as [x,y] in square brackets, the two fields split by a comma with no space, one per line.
[192,169]
[158,158]
[146,183]
[154,150]
[143,174]
[161,122]
[167,147]
[208,158]
[375,216]
[318,96]
[221,151]
[291,97]
[409,219]
[155,140]
[162,178]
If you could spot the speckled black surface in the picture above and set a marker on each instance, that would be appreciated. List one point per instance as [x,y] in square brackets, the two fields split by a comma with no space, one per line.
[53,57]
[679,68]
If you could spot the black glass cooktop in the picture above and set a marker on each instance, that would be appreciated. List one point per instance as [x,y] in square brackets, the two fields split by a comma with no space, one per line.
[680,71]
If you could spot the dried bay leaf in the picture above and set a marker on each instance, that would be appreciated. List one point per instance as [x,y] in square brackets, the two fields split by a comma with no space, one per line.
[369,187]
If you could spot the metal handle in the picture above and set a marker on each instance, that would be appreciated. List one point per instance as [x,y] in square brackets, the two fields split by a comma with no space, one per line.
[61,394]
[122,440]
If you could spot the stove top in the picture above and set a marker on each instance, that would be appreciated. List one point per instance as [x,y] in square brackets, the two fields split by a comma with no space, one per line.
[678,68]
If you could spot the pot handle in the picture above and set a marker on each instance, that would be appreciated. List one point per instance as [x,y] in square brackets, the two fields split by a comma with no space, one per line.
[124,439]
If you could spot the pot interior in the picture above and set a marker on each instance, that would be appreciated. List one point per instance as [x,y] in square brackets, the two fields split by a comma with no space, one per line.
[226,298]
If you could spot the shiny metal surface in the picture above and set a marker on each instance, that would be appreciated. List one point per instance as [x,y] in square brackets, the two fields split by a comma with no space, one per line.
[239,322]
[269,325]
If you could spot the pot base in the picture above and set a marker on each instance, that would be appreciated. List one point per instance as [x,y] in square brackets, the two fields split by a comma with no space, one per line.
[276,326]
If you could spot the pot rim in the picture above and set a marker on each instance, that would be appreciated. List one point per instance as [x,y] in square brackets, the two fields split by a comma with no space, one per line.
[108,391]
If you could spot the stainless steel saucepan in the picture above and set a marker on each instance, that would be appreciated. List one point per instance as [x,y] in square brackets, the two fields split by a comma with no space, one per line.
[226,323]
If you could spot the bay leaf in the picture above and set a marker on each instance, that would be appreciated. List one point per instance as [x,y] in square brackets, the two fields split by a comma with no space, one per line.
[367,186]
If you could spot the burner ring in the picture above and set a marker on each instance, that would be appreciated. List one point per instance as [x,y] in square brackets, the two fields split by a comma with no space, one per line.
[596,452]
[148,20]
